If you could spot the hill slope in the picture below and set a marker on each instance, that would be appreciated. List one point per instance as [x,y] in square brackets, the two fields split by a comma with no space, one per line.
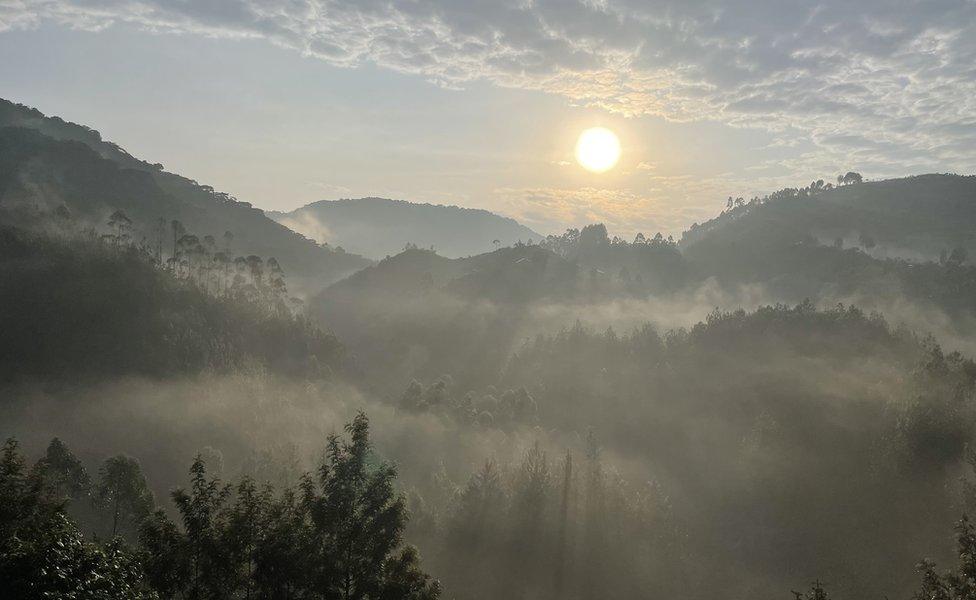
[912,218]
[378,227]
[77,309]
[47,163]
[883,245]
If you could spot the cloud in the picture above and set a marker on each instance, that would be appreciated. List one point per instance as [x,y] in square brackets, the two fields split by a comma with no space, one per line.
[624,212]
[889,85]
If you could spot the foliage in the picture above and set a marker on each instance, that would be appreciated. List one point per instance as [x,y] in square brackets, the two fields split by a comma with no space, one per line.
[123,492]
[339,535]
[336,536]
[959,584]
[489,408]
[42,552]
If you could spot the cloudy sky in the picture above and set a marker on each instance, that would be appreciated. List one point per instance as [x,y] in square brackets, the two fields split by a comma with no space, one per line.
[479,103]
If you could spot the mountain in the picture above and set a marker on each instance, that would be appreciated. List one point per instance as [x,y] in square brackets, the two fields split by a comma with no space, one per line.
[48,165]
[378,227]
[880,244]
[914,218]
[876,245]
[419,314]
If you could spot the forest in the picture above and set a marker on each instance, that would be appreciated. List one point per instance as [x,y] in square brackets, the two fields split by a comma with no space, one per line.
[198,403]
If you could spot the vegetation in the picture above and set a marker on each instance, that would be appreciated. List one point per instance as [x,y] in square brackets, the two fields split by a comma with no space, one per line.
[337,535]
[89,308]
[48,165]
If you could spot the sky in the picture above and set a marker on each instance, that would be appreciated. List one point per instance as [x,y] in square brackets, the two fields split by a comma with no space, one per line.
[479,103]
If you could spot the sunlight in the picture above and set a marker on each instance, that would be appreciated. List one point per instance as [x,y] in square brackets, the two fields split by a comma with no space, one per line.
[598,149]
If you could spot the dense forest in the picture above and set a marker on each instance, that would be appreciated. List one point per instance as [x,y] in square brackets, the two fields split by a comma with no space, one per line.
[197,402]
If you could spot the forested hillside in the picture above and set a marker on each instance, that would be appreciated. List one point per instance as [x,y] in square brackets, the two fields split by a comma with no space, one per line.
[75,309]
[377,227]
[753,452]
[916,218]
[47,164]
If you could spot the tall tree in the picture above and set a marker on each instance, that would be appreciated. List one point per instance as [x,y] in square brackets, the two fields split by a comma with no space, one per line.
[121,225]
[123,492]
[63,473]
[178,232]
[357,525]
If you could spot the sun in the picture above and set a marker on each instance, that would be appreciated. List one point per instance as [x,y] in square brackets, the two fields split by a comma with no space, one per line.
[598,149]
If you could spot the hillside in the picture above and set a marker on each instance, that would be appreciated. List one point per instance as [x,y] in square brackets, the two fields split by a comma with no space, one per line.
[899,246]
[47,163]
[83,310]
[741,423]
[377,227]
[915,218]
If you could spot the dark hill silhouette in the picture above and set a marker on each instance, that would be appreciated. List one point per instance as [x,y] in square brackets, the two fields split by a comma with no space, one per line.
[47,163]
[378,227]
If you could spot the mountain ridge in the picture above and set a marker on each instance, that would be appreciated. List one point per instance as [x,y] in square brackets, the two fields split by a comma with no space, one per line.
[49,163]
[378,227]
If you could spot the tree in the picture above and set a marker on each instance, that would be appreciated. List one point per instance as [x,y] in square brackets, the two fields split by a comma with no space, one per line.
[339,537]
[817,592]
[593,236]
[849,178]
[276,281]
[159,231]
[23,498]
[952,585]
[178,232]
[63,473]
[53,560]
[357,526]
[255,267]
[123,492]
[562,526]
[122,226]
[200,512]
[42,553]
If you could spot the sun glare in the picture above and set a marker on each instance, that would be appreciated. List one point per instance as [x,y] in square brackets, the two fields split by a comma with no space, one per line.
[598,149]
